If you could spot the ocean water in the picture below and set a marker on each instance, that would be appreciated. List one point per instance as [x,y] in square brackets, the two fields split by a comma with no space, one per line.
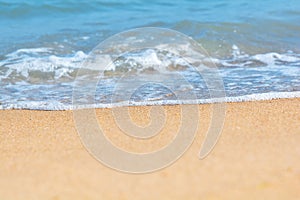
[254,44]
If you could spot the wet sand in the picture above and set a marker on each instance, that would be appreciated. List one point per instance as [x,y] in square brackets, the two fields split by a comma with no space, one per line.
[256,157]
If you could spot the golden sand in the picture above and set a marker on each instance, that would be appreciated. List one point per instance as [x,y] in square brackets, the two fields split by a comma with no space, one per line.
[256,157]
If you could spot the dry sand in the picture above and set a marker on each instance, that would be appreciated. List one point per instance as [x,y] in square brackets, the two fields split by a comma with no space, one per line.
[256,157]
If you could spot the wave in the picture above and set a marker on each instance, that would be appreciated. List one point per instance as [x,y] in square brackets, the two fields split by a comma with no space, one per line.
[39,78]
[39,63]
[25,63]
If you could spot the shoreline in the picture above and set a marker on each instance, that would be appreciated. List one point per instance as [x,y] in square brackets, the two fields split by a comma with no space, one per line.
[256,156]
[44,106]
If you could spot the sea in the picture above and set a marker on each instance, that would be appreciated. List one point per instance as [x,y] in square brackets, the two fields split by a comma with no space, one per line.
[47,45]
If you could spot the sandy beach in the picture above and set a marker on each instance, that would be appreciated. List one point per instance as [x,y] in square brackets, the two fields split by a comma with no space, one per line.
[256,157]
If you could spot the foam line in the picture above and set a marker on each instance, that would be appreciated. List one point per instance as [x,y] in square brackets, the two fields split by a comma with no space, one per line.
[59,106]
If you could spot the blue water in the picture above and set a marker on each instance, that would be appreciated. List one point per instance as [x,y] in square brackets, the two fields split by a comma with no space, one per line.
[255,44]
[251,25]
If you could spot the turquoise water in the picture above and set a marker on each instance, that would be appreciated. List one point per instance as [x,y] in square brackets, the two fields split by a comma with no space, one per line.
[255,44]
[270,25]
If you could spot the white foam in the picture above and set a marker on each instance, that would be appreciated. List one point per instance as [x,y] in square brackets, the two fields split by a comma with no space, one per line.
[24,61]
[271,58]
[30,51]
[59,106]
[245,98]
